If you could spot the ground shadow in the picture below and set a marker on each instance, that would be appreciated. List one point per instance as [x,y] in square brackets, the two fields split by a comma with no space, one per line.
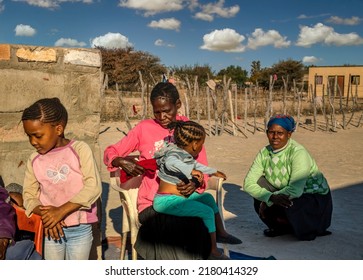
[110,244]
[346,242]
[114,214]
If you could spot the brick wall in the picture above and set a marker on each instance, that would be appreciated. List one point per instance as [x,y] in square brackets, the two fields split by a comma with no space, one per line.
[28,73]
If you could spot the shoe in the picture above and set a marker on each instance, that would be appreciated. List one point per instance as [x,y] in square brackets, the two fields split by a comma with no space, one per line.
[229,239]
[220,257]
[270,232]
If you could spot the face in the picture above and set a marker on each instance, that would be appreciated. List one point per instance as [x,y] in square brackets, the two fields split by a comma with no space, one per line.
[196,147]
[165,111]
[43,136]
[277,136]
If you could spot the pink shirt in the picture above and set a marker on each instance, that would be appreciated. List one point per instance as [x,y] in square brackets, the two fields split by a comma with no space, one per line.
[60,179]
[146,137]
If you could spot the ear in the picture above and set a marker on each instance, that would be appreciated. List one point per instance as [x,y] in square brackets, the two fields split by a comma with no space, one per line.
[178,104]
[59,129]
[289,135]
[194,145]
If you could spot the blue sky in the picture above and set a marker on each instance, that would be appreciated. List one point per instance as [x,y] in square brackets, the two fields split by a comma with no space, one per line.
[217,33]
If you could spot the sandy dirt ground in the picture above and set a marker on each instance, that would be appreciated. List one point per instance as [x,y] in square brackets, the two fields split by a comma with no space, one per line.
[339,155]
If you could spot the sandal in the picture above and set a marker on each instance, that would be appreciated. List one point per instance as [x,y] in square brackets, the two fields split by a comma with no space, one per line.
[229,239]
[220,257]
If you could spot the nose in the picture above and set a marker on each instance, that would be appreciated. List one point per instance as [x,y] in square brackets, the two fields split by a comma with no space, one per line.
[32,141]
[162,115]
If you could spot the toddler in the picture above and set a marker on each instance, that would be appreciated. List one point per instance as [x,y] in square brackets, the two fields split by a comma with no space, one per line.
[176,162]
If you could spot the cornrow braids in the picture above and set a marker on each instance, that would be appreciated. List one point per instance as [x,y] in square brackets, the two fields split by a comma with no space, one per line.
[186,132]
[46,110]
[165,90]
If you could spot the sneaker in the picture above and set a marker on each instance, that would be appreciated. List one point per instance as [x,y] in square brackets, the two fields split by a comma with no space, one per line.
[229,239]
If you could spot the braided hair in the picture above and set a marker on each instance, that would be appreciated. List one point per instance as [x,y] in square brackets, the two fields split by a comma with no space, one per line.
[165,90]
[47,110]
[186,132]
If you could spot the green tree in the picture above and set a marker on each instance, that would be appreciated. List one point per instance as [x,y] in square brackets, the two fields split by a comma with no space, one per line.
[255,71]
[236,73]
[288,69]
[123,65]
[204,72]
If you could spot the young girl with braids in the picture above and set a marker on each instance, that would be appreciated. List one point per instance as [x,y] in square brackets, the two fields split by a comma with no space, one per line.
[62,182]
[176,162]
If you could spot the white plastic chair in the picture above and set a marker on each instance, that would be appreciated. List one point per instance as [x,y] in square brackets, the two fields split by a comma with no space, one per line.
[128,196]
[130,222]
[216,183]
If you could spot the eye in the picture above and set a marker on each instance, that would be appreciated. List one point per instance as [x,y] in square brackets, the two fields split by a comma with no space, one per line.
[278,133]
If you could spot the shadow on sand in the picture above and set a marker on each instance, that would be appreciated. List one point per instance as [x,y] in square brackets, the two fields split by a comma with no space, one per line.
[346,242]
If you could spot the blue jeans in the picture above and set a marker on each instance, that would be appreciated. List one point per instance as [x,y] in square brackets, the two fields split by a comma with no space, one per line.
[22,250]
[196,205]
[75,245]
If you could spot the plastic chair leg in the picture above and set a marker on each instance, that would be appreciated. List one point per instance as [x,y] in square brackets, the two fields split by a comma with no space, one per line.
[123,245]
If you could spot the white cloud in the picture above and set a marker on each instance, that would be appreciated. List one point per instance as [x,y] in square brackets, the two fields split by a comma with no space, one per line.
[310,59]
[51,4]
[321,33]
[226,40]
[211,9]
[161,43]
[303,16]
[193,4]
[2,6]
[152,7]
[68,42]
[203,16]
[24,30]
[344,21]
[111,41]
[261,38]
[166,23]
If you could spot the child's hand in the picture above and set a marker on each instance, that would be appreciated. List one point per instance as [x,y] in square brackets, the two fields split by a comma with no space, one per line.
[198,174]
[4,242]
[220,175]
[51,216]
[56,232]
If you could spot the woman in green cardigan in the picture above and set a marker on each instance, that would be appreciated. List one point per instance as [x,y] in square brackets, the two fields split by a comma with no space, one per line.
[290,194]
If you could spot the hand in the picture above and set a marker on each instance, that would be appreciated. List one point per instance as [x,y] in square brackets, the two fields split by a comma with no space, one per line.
[130,166]
[186,189]
[56,232]
[4,242]
[51,215]
[281,200]
[261,210]
[17,198]
[220,175]
[198,175]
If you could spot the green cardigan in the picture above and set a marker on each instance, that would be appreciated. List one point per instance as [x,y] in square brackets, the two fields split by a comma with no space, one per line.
[292,171]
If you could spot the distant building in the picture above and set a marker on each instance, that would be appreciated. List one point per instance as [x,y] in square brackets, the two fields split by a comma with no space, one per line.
[344,79]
